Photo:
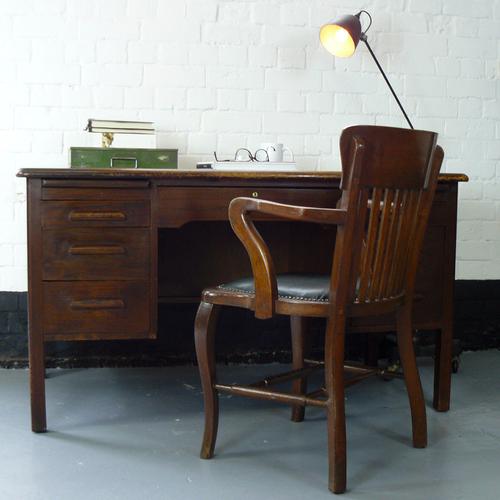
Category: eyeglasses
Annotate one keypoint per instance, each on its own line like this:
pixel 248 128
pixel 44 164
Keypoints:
pixel 244 154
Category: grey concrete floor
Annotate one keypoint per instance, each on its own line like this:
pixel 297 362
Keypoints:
pixel 135 434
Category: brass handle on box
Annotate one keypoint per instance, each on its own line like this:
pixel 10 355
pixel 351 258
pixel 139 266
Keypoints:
pixel 127 158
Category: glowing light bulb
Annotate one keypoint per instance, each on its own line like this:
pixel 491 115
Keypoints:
pixel 337 40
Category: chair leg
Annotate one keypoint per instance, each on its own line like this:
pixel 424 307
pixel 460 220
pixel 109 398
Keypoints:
pixel 334 381
pixel 204 335
pixel 300 345
pixel 412 378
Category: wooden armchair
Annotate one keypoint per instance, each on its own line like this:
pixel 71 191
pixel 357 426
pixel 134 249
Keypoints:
pixel 388 183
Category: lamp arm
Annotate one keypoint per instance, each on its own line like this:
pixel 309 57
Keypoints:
pixel 363 37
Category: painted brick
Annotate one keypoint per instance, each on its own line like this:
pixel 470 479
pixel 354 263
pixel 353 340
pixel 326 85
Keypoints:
pixel 350 83
pixel 202 143
pixel 468 230
pixel 468 8
pixel 41 72
pixel 233 55
pixel 290 122
pixel 230 34
pixel 291 58
pixel 172 54
pixel 234 12
pixel 142 52
pixel 295 13
pixel 111 51
pixel 439 107
pixel 491 230
pixel 139 97
pixel 174 76
pixel 178 31
pixel 224 74
pixel 321 102
pixel 231 121
pixel 109 97
pixel 262 100
pixel 202 55
pixel 235 78
pixel 47 142
pixel 348 103
pixel 289 36
pixel 426 6
pixel 263 56
pixel 229 143
pixel 291 101
pixel 231 99
pixel 477 210
pixel 166 98
pixel 293 79
pixel 201 98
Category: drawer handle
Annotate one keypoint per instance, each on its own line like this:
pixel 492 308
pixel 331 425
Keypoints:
pixel 96 250
pixel 75 215
pixel 97 304
pixel 255 194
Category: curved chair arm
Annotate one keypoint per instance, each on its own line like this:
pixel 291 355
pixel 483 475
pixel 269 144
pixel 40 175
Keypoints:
pixel 266 289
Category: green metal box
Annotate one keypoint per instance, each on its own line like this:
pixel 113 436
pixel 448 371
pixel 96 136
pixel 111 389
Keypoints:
pixel 122 158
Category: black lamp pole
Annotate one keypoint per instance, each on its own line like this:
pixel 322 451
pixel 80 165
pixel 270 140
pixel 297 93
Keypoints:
pixel 365 39
pixel 341 37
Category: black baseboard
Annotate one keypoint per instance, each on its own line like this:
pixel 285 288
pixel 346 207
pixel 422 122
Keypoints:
pixel 241 338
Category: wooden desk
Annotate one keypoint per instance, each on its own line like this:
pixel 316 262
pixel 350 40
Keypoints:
pixel 104 246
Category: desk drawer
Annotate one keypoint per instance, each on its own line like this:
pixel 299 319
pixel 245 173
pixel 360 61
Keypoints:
pixel 95 254
pixel 180 205
pixel 93 190
pixel 95 213
pixel 95 310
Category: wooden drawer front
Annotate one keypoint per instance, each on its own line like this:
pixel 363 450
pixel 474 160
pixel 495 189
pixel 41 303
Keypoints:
pixel 180 205
pixel 95 310
pixel 93 190
pixel 92 213
pixel 95 254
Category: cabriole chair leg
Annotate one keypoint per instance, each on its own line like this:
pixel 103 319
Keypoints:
pixel 412 378
pixel 204 334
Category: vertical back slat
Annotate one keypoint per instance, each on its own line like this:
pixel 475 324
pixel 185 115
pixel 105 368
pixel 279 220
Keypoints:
pixel 383 244
pixel 412 229
pixel 391 285
pixel 370 246
pixel 401 255
pixel 389 255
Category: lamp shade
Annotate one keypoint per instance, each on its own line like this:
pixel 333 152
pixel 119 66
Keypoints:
pixel 341 36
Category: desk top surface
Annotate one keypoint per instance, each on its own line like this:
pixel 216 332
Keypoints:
pixel 115 173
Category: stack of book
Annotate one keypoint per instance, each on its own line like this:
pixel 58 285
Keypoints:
pixel 119 127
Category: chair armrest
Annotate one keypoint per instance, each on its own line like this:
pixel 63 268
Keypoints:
pixel 291 212
pixel 266 289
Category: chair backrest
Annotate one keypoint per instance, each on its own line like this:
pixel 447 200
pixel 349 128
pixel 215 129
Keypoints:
pixel 389 176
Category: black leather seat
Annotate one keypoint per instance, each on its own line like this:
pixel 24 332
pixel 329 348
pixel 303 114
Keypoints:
pixel 308 287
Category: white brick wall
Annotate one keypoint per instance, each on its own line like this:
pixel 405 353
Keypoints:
pixel 219 74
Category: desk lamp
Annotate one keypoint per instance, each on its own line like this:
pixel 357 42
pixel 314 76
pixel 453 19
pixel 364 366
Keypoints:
pixel 341 37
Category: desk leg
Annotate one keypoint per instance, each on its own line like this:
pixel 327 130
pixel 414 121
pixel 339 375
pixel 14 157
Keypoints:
pixel 442 368
pixel 35 307
pixel 444 342
pixel 37 382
